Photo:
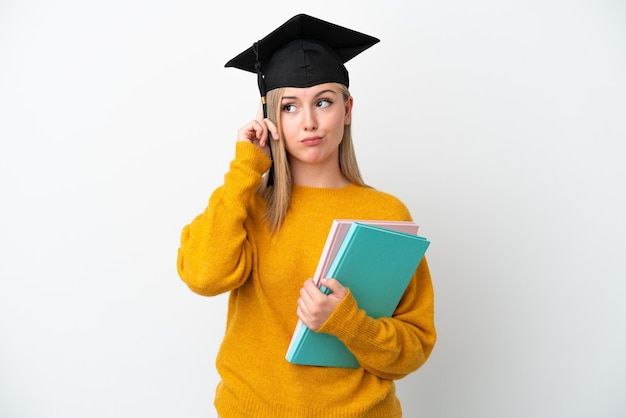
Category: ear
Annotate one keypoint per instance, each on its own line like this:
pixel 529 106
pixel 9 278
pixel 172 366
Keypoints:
pixel 348 117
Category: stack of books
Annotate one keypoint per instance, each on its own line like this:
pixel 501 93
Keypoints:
pixel 376 260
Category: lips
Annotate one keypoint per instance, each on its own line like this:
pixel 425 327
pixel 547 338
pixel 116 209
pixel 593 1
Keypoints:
pixel 314 140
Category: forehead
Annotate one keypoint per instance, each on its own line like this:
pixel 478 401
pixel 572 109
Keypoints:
pixel 313 91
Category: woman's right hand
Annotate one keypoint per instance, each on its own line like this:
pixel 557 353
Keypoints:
pixel 257 132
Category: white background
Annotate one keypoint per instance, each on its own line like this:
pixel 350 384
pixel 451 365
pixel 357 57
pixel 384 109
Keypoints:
pixel 500 124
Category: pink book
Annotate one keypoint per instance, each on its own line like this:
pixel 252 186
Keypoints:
pixel 338 231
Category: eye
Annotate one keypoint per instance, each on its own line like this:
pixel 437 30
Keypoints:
pixel 289 108
pixel 324 103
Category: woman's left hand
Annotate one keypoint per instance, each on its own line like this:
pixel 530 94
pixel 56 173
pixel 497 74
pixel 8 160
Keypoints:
pixel 314 306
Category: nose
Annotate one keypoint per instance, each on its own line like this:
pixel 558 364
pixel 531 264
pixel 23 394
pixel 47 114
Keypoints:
pixel 309 119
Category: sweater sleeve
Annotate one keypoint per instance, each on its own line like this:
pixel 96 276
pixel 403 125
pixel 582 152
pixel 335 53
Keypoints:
pixel 390 348
pixel 215 255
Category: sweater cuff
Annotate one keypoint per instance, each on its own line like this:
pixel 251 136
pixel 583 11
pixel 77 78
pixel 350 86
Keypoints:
pixel 252 156
pixel 347 321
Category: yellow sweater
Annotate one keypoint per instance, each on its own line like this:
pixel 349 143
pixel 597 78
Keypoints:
pixel 229 248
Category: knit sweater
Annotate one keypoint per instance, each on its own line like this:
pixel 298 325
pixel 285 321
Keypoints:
pixel 229 248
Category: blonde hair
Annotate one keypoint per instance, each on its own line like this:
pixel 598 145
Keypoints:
pixel 278 196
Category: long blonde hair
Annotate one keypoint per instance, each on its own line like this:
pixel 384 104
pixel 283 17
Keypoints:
pixel 278 196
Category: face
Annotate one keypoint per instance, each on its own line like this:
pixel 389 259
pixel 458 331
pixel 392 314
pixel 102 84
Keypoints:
pixel 312 123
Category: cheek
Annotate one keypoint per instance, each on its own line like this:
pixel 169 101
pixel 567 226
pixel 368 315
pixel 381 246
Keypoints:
pixel 288 127
pixel 339 123
pixel 288 137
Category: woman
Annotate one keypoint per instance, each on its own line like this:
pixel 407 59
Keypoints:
pixel 262 233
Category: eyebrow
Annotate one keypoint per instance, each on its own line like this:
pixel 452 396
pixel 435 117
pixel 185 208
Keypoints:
pixel 320 93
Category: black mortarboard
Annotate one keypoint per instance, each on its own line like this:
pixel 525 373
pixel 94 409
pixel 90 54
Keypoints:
pixel 302 52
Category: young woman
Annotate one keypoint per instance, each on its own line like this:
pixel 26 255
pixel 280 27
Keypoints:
pixel 261 236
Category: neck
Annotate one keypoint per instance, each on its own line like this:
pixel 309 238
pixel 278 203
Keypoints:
pixel 316 175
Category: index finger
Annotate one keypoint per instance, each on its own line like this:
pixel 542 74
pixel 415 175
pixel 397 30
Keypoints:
pixel 259 113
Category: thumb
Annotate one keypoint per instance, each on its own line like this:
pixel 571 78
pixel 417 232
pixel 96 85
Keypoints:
pixel 335 287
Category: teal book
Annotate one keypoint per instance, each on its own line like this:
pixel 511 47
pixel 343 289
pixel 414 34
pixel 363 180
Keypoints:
pixel 377 265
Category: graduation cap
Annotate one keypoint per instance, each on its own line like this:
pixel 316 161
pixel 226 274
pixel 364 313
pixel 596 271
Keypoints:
pixel 302 52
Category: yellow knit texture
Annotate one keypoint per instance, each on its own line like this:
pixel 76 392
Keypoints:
pixel 228 248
